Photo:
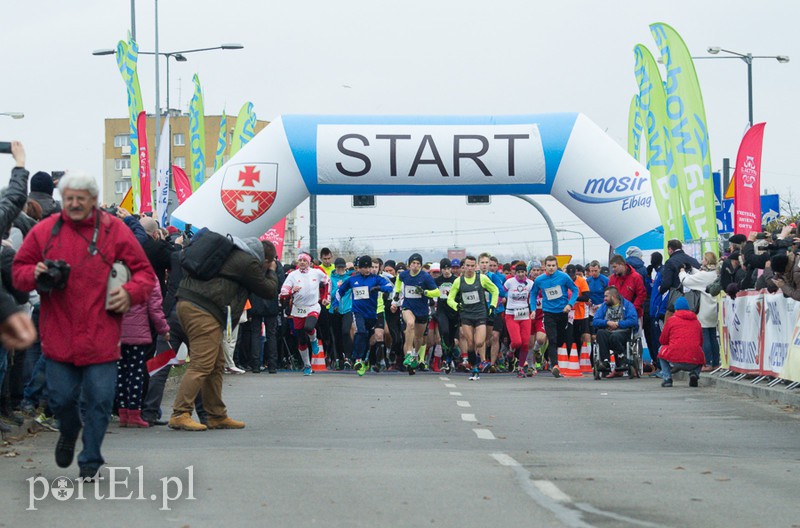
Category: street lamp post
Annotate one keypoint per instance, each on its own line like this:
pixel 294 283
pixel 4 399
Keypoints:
pixel 748 59
pixel 583 240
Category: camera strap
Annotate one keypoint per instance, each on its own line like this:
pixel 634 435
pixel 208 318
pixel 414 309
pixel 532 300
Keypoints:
pixel 92 244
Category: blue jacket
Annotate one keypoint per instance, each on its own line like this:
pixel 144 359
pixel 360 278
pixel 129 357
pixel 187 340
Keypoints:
pixel 597 288
pixel 630 317
pixel 499 280
pixel 554 290
pixel 365 301
pixel 658 300
pixel 345 304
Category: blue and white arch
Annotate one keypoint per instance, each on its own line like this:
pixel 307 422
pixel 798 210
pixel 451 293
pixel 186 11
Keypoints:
pixel 564 155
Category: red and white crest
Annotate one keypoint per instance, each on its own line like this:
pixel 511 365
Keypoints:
pixel 249 190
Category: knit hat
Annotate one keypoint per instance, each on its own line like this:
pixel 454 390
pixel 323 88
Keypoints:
pixel 365 262
pixel 534 264
pixel 390 264
pixel 634 251
pixel 172 230
pixel 681 304
pixel 415 256
pixel 42 182
pixel 445 263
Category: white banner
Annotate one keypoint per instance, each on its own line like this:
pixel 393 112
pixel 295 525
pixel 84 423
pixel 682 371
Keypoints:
pixel 745 332
pixel 429 154
pixel 162 175
pixel 778 326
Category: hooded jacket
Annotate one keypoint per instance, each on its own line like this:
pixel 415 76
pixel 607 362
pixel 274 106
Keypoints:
pixel 631 287
pixel 136 323
pixel 74 324
pixel 682 339
pixel 242 272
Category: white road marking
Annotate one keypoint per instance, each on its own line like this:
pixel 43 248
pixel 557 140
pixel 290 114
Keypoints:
pixel 455 394
pixel 450 385
pixel 504 459
pixel 469 418
pixel 551 490
pixel 444 378
pixel 462 403
pixel 484 434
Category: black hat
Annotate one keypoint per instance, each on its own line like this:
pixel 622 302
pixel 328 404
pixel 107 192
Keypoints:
pixel 737 239
pixel 778 263
pixel 521 267
pixel 42 182
pixel 444 263
pixel 389 264
pixel 339 262
pixel 365 261
pixel 415 256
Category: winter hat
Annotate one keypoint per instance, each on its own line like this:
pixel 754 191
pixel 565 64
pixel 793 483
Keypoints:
pixel 456 263
pixel 390 264
pixel 172 230
pixel 365 261
pixel 415 256
pixel 634 251
pixel 681 304
pixel 534 264
pixel 42 182
pixel 444 263
pixel 737 239
pixel 778 263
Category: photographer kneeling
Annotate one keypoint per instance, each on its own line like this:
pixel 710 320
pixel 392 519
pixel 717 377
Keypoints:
pixel 68 258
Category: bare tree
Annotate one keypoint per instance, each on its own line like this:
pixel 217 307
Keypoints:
pixel 788 204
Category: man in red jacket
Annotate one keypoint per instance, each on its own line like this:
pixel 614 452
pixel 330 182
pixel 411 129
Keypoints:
pixel 681 345
pixel 629 283
pixel 67 257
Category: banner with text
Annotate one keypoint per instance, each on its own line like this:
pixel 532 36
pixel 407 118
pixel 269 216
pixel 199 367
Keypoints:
pixel 747 182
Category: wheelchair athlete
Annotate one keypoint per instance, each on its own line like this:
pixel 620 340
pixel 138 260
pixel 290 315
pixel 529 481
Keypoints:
pixel 615 320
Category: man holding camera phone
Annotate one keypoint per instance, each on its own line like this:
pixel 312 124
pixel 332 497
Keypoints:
pixel 68 258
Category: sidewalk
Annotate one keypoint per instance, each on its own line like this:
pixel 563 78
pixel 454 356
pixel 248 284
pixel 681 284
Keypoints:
pixel 745 387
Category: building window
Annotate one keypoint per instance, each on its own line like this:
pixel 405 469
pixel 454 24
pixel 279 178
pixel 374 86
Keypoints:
pixel 122 141
pixel 121 187
pixel 178 140
pixel 180 161
pixel 122 163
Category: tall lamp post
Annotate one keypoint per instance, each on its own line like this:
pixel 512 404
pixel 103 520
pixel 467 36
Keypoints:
pixel 583 240
pixel 748 59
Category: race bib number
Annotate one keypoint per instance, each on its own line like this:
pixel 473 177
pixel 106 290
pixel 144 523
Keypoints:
pixel 360 293
pixel 553 293
pixel 522 314
pixel 410 292
pixel 471 297
pixel 301 311
pixel 444 291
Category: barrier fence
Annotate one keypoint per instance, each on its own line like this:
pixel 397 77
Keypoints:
pixel 760 336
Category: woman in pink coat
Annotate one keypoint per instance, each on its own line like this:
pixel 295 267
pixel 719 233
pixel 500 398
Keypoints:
pixel 136 340
pixel 681 345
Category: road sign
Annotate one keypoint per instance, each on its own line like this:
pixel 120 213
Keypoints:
pixel 770 210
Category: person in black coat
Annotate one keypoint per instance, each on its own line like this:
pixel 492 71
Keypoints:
pixel 678 260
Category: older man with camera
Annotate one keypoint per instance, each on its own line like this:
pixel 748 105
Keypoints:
pixel 68 258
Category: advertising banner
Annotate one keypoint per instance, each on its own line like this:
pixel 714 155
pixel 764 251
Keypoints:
pixel 197 136
pixel 222 142
pixel 276 234
pixel 144 166
pixel 635 128
pixel 127 55
pixel 688 135
pixel 245 128
pixel 162 175
pixel 747 182
pixel 778 327
pixel 745 333
pixel 660 161
pixel 183 187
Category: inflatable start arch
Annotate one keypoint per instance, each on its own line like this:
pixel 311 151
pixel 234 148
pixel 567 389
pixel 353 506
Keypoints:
pixel 564 155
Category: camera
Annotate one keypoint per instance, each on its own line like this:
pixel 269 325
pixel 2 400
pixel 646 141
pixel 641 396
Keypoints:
pixel 111 209
pixel 761 236
pixel 55 278
pixel 187 232
pixel 5 147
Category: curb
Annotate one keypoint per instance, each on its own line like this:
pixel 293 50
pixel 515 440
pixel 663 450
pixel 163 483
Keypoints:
pixel 745 387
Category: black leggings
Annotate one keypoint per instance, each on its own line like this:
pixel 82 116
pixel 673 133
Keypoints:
pixel 555 326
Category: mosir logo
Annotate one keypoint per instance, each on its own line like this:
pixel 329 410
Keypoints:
pixel 749 172
pixel 249 190
pixel 626 189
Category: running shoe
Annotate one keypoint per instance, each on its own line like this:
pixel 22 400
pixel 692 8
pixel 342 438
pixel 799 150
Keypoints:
pixel 520 373
pixel 362 369
pixel 357 364
pixel 307 371
pixel 315 347
pixel 492 369
pixel 484 366
pixel 476 375
pixel 413 362
pixel 347 365
pixel 555 371
pixel 47 422
pixel 408 359
pixel 447 368
pixel 422 367
pixel 377 367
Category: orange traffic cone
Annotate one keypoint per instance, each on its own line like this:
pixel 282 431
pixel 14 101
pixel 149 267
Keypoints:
pixel 318 359
pixel 585 361
pixel 563 357
pixel 573 369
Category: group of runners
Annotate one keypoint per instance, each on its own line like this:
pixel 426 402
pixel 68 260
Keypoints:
pixel 472 315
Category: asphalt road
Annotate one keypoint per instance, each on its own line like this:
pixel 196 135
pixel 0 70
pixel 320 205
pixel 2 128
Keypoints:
pixel 433 450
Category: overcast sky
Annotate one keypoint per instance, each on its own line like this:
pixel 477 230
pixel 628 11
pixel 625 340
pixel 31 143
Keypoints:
pixel 414 57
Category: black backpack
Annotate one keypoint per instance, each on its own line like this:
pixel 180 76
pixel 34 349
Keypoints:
pixel 206 253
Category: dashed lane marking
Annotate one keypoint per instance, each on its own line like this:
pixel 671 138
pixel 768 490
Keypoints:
pixel 462 403
pixel 484 434
pixel 469 418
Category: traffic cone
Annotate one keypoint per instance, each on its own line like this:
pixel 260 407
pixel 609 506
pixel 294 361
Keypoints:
pixel 585 361
pixel 573 369
pixel 318 359
pixel 563 357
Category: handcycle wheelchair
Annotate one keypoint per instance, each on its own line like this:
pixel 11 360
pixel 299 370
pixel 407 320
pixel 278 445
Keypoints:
pixel 629 359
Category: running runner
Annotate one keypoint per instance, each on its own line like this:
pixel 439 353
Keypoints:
pixel 469 297
pixel 417 287
pixel 556 304
pixel 365 286
pixel 305 287
pixel 488 266
pixel 447 318
pixel 518 315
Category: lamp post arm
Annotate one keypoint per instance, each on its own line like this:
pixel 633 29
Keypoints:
pixel 547 219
